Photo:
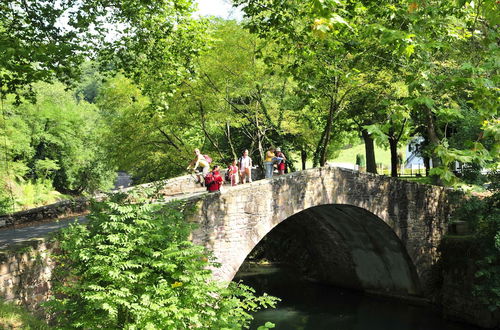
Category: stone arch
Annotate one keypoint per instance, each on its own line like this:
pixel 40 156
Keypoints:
pixel 343 245
pixel 231 223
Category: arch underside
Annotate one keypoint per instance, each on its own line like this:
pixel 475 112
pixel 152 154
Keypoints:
pixel 342 245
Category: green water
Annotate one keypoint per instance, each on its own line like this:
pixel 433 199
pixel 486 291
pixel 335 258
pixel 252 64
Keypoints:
pixel 312 306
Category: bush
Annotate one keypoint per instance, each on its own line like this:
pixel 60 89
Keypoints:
pixel 133 267
pixel 487 286
pixel 360 160
pixel 471 212
pixel 483 215
pixel 471 174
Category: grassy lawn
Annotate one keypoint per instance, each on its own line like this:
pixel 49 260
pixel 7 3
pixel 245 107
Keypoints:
pixel 15 317
pixel 349 155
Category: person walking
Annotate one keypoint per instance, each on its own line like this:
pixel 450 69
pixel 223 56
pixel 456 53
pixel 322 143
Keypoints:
pixel 200 165
pixel 213 180
pixel 281 163
pixel 269 163
pixel 245 166
pixel 233 173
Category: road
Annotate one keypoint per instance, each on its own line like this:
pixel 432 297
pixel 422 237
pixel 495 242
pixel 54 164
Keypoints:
pixel 18 235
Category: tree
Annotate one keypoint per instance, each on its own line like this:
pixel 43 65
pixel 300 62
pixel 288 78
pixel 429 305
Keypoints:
pixel 45 40
pixel 55 141
pixel 442 87
pixel 235 102
pixel 331 56
pixel 34 46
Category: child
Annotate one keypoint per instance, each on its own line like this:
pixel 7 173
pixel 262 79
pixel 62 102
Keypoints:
pixel 232 171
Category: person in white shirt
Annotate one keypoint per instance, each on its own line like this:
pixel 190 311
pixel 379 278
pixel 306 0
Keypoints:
pixel 245 166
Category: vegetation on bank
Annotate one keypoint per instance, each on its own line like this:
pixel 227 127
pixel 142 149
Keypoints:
pixel 132 267
pixel 15 317
pixel 482 245
pixel 50 149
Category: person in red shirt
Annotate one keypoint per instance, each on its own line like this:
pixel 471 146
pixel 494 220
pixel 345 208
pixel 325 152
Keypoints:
pixel 213 180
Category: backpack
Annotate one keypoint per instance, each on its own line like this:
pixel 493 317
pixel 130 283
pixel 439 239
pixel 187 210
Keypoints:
pixel 227 176
pixel 209 179
pixel 207 158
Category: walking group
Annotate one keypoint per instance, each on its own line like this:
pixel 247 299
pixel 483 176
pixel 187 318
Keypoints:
pixel 239 170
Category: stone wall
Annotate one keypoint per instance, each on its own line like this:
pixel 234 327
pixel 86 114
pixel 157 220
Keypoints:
pixel 25 273
pixel 54 211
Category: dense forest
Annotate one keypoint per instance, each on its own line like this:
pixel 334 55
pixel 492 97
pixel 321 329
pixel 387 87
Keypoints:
pixel 149 83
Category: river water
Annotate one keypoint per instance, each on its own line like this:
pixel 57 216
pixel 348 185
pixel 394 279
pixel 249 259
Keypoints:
pixel 310 306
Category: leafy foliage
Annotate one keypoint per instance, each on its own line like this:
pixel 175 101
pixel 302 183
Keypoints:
pixel 51 144
pixel 47 40
pixel 132 267
pixel 483 215
pixel 488 236
pixel 344 47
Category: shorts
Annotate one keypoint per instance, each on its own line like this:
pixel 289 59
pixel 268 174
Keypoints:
pixel 202 170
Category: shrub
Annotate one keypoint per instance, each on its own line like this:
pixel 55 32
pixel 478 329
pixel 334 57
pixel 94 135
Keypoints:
pixel 132 267
pixel 483 215
pixel 360 160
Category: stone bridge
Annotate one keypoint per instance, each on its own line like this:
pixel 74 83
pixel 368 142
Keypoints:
pixel 339 226
pixel 343 227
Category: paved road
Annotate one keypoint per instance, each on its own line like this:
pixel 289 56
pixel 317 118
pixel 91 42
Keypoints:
pixel 18 235
pixel 123 180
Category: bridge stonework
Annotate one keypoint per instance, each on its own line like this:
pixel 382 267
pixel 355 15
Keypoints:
pixel 233 222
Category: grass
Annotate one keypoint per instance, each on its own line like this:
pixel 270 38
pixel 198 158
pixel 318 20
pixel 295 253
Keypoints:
pixel 15 317
pixel 382 156
pixel 349 155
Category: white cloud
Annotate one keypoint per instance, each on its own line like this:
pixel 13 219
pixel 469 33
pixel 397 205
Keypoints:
pixel 218 8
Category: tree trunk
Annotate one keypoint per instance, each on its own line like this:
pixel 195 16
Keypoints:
pixel 328 131
pixel 371 165
pixel 433 141
pixel 228 134
pixel 303 157
pixel 393 146
pixel 427 164
pixel 317 152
